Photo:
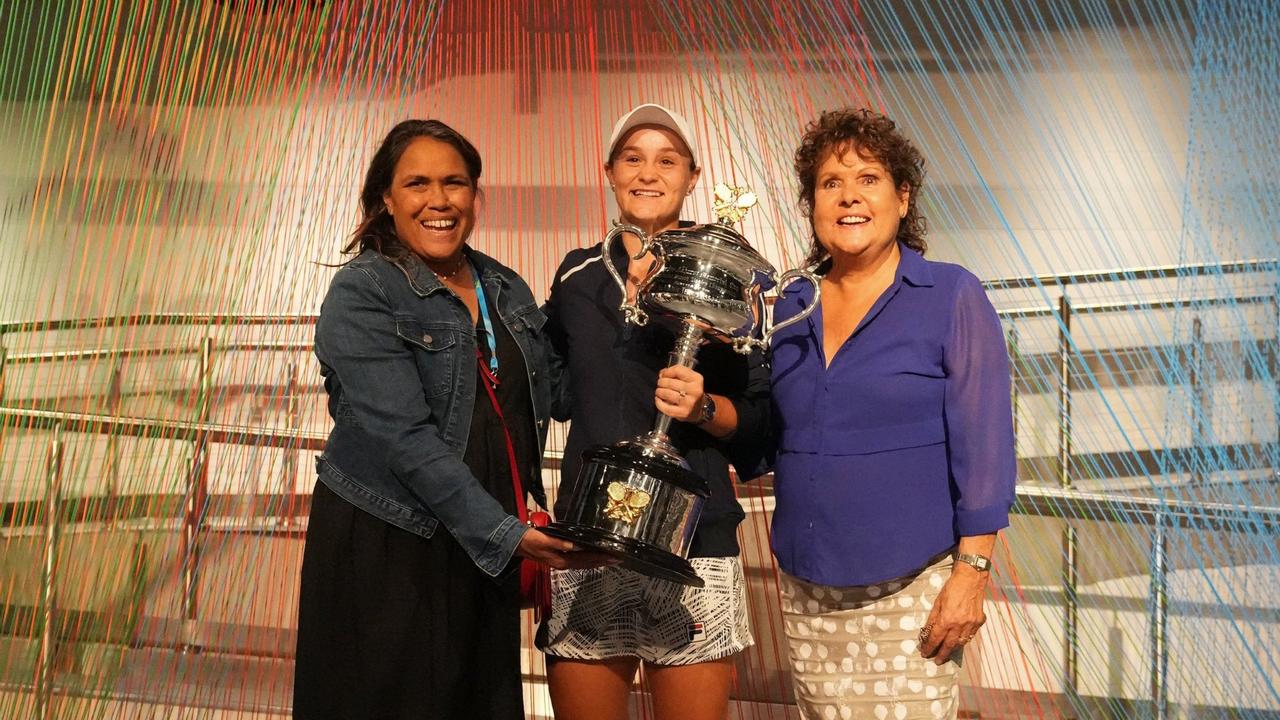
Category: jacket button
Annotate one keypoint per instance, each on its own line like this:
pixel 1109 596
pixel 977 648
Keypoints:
pixel 517 326
pixel 426 338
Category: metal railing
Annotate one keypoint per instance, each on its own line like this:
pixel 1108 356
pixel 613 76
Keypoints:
pixel 1158 513
pixel 199 434
pixel 1062 502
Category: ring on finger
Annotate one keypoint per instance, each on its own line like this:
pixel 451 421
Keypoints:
pixel 924 632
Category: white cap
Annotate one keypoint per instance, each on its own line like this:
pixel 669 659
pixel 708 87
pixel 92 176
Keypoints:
pixel 651 114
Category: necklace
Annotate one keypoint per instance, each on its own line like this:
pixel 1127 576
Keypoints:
pixel 462 260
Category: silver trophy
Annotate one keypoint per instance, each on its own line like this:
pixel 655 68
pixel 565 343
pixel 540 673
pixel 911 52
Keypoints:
pixel 637 499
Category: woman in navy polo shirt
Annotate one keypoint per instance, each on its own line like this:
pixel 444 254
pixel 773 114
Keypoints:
pixel 895 465
pixel 606 623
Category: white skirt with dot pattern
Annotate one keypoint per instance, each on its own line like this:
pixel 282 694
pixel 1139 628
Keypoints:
pixel 854 649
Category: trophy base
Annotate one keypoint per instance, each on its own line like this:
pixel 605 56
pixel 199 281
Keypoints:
pixel 635 555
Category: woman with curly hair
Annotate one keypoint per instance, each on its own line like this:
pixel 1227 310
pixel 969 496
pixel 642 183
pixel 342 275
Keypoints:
pixel 895 465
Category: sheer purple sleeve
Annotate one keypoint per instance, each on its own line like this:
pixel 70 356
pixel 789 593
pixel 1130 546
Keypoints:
pixel 978 413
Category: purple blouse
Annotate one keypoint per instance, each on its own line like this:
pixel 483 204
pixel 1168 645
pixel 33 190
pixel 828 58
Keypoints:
pixel 905 443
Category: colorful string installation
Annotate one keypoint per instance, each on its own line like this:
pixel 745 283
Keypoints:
pixel 178 174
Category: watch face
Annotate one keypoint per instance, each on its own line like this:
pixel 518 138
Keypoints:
pixel 707 411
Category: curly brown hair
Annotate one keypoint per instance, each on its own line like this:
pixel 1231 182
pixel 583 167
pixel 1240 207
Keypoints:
pixel 873 136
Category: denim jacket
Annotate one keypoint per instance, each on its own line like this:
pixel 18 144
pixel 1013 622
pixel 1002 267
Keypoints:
pixel 397 350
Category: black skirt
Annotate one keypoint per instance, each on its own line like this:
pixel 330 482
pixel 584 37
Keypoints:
pixel 393 625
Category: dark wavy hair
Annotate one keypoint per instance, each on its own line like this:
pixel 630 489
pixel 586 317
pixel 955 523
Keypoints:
pixel 377 229
pixel 873 136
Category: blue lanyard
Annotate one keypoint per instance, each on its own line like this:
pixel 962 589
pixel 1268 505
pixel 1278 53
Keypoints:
pixel 488 323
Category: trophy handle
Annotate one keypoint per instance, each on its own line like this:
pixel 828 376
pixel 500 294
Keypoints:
pixel 631 311
pixel 745 345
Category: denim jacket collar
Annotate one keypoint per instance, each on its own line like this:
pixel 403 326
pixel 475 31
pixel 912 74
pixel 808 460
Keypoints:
pixel 424 281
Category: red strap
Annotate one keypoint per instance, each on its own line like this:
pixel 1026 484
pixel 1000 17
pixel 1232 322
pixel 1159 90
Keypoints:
pixel 490 382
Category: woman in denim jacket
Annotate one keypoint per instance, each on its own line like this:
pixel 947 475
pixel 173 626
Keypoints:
pixel 407 605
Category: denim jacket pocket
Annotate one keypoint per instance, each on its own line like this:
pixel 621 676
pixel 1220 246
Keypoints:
pixel 526 325
pixel 533 318
pixel 434 347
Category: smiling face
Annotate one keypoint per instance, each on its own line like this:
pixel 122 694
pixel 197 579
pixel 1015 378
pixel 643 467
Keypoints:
pixel 651 173
pixel 432 200
pixel 856 207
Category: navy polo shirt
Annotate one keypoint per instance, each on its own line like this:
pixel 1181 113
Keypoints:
pixel 612 369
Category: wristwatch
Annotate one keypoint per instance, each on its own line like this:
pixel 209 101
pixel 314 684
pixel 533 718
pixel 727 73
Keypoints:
pixel 708 410
pixel 980 562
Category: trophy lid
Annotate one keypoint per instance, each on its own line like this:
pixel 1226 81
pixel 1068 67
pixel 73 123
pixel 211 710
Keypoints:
pixel 722 239
pixel 730 206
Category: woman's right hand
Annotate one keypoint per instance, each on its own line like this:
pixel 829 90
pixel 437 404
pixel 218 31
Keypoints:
pixel 559 554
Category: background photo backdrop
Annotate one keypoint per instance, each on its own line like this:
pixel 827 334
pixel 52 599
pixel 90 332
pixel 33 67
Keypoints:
pixel 176 176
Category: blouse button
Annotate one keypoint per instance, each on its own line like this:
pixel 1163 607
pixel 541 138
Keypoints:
pixel 426 338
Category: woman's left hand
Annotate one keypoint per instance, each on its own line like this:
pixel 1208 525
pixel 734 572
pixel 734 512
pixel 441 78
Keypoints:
pixel 957 614
pixel 679 393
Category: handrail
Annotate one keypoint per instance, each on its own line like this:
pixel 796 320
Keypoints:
pixel 149 351
pixel 305 346
pixel 1154 272
pixel 1034 500
pixel 166 429
pixel 223 433
pixel 1018 282
pixel 1102 307
pixel 1069 504
pixel 9 326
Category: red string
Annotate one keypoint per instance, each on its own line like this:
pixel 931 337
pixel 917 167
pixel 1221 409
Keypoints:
pixel 491 382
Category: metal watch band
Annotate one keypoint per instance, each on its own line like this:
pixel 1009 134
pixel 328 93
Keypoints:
pixel 981 562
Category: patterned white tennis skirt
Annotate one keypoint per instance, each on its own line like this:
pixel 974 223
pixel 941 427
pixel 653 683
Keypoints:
pixel 611 612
